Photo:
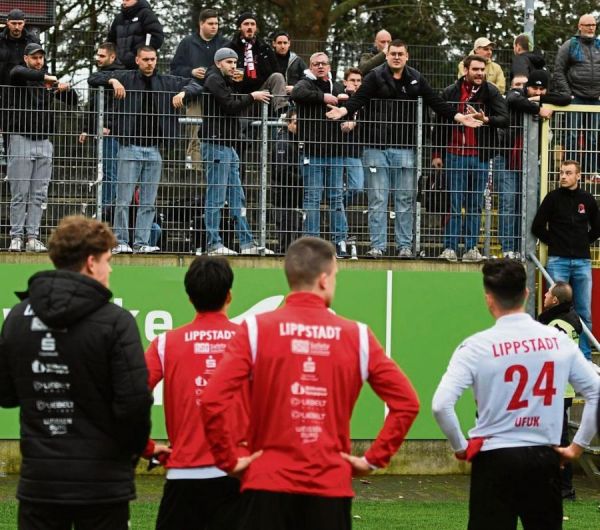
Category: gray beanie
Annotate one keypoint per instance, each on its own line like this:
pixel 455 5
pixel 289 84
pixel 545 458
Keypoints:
pixel 225 53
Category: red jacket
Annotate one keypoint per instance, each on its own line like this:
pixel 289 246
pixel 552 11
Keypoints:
pixel 307 366
pixel 186 358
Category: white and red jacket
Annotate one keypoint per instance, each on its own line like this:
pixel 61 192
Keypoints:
pixel 307 366
pixel 186 359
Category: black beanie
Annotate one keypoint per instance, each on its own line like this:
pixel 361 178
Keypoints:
pixel 245 16
pixel 539 78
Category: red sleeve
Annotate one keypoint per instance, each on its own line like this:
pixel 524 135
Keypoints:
pixel 395 389
pixel 218 398
pixel 155 371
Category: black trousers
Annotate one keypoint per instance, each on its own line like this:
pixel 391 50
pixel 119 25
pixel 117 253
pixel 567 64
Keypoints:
pixel 266 510
pixel 199 504
pixel 43 516
pixel 517 482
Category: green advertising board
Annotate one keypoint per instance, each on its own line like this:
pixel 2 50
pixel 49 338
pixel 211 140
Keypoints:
pixel 419 317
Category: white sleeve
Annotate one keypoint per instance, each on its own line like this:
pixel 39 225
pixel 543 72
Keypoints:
pixel 458 377
pixel 585 380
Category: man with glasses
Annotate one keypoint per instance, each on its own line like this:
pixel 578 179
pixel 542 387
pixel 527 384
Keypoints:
pixel 575 74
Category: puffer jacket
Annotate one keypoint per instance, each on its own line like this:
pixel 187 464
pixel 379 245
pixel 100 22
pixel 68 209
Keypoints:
pixel 74 364
pixel 577 68
pixel 135 26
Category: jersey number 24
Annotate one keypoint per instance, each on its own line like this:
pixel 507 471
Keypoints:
pixel 543 387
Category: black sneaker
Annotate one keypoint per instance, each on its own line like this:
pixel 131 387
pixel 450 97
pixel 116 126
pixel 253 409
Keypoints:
pixel 341 251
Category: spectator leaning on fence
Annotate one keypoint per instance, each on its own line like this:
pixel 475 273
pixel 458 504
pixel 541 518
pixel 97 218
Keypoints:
pixel 289 64
pixel 568 222
pixel 467 155
pixel 575 74
pixel 146 118
pixel 377 54
pixel 484 47
pixel 258 61
pixel 106 61
pixel 323 163
pixel 389 94
pixel 525 59
pixel 220 145
pixel 527 100
pixel 31 122
pixel 136 25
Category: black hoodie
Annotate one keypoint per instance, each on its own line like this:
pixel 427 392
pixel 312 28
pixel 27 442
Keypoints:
pixel 74 364
pixel 527 62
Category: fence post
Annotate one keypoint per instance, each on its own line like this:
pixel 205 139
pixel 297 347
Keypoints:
pixel 100 151
pixel 264 161
pixel 419 175
pixel 530 187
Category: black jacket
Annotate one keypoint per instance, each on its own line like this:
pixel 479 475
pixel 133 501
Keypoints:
pixel 390 106
pixel 321 136
pixel 132 27
pixel 91 127
pixel 150 99
pixel 194 52
pixel 220 123
pixel 32 112
pixel 291 66
pixel 265 63
pixel 558 315
pixel 12 52
pixel 568 222
pixel 488 137
pixel 527 62
pixel 74 364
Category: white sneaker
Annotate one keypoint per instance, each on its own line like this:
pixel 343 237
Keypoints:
pixel 472 256
pixel 35 245
pixel 255 250
pixel 222 251
pixel 374 253
pixel 449 255
pixel 145 249
pixel 512 255
pixel 406 253
pixel 122 248
pixel 16 245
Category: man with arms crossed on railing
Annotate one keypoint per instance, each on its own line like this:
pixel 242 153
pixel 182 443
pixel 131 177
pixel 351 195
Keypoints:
pixel 145 118
pixel 568 222
pixel 518 370
pixel 306 366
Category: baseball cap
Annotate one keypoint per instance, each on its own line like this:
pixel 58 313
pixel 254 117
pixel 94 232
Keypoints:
pixel 225 53
pixel 15 14
pixel 34 47
pixel 482 42
pixel 538 78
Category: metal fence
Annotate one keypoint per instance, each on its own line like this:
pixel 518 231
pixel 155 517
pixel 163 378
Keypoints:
pixel 257 180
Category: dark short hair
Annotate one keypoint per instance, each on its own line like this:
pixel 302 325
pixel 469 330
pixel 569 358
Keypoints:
pixel 523 41
pixel 351 71
pixel 306 259
pixel 280 33
pixel 207 282
pixel 562 291
pixel 145 48
pixel 207 13
pixel 398 43
pixel 472 58
pixel 76 238
pixel 109 47
pixel 505 280
pixel 571 163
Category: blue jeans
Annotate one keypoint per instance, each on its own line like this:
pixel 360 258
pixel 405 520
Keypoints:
pixel 143 165
pixel 319 174
pixel 507 185
pixel 390 169
pixel 578 272
pixel 586 124
pixel 110 165
pixel 355 178
pixel 466 176
pixel 222 166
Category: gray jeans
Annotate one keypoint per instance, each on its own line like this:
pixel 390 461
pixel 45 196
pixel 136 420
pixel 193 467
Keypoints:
pixel 29 172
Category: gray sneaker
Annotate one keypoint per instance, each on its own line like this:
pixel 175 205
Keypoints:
pixel 472 256
pixel 35 245
pixel 406 253
pixel 16 245
pixel 374 253
pixel 145 249
pixel 449 255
